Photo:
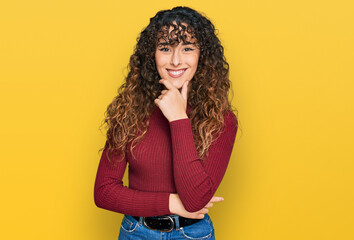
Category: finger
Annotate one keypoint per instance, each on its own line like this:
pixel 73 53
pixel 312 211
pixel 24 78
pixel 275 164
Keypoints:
pixel 160 97
pixel 164 91
pixel 167 84
pixel 216 199
pixel 210 204
pixel 205 210
pixel 201 216
pixel 184 90
pixel 157 102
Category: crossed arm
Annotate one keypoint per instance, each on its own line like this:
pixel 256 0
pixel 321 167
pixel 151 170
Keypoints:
pixel 196 182
pixel 111 194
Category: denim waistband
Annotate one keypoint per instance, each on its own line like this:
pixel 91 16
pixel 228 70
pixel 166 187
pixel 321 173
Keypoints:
pixel 174 216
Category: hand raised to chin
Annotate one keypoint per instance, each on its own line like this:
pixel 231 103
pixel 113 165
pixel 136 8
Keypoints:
pixel 172 102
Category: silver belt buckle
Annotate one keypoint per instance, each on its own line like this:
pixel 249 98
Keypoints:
pixel 169 230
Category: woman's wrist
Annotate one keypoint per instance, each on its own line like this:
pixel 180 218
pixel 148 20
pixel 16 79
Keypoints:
pixel 172 202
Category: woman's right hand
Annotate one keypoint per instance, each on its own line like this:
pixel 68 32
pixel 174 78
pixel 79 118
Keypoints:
pixel 176 207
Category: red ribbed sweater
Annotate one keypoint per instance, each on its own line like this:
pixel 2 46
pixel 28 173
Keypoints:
pixel 166 162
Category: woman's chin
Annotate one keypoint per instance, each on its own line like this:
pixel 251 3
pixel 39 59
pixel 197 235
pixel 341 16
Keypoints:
pixel 177 83
pixel 178 86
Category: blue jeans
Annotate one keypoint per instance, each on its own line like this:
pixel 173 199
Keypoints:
pixel 133 229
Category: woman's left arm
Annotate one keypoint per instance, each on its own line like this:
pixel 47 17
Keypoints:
pixel 196 182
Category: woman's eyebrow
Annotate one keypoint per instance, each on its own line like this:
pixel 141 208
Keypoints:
pixel 183 43
pixel 188 43
pixel 163 44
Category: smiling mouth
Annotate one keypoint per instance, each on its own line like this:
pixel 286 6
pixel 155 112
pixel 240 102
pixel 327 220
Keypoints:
pixel 176 73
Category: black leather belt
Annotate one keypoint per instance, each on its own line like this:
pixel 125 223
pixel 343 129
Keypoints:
pixel 165 223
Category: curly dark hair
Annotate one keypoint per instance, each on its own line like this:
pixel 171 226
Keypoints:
pixel 128 119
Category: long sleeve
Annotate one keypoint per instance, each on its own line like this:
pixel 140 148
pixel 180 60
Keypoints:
pixel 197 182
pixel 110 194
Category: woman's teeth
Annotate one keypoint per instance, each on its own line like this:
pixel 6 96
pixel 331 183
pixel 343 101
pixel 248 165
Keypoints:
pixel 176 73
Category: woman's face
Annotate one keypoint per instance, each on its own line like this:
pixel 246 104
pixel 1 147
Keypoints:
pixel 177 63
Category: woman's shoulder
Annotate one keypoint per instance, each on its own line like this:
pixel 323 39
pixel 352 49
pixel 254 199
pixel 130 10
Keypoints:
pixel 230 118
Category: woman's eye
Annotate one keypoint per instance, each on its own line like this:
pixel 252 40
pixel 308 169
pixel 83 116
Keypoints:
pixel 164 49
pixel 188 49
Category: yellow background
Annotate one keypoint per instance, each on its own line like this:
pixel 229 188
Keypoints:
pixel 291 64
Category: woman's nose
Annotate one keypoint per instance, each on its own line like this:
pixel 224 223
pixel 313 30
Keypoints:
pixel 176 58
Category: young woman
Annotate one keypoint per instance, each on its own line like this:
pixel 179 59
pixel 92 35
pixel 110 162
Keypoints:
pixel 173 123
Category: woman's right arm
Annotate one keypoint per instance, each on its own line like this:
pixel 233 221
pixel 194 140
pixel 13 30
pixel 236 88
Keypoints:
pixel 176 207
pixel 110 194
